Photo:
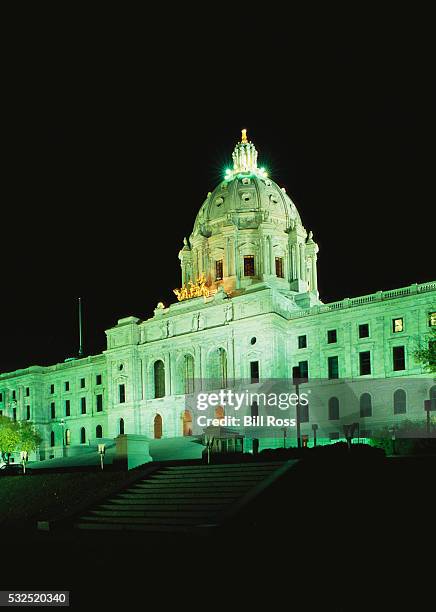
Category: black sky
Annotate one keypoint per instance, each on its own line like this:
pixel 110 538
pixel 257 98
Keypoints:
pixel 119 125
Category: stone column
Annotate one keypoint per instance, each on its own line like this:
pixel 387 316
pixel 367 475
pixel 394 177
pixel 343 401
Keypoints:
pixel 271 257
pixel 302 262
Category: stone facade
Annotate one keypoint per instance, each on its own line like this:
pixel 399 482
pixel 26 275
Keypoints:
pixel 260 267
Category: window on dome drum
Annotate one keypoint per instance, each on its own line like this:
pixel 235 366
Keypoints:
pixel 400 402
pixel 333 409
pixel 432 319
pixel 399 358
pixel 365 405
pixel 83 405
pixel 28 413
pixel 159 379
pixel 82 383
pixel 67 385
pixel 364 330
pixel 98 431
pixel 27 391
pixel 332 336
pixel 304 413
pixel 249 265
pixel 67 408
pixel 82 435
pixel 219 269
pixel 302 342
pixel 254 372
pixel 279 267
pixel 304 369
pixel 333 367
pixel 397 325
pixel 53 410
pixel 98 379
pixel 99 400
pixel 51 389
pixel 122 393
pixel 365 363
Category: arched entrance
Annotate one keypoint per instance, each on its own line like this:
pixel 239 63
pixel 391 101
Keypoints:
pixel 187 423
pixel 158 427
pixel 219 412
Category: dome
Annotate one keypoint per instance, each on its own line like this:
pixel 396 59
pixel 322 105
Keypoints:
pixel 249 232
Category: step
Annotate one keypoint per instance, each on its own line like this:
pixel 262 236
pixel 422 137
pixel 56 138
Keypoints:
pixel 129 527
pixel 209 477
pixel 224 466
pixel 210 480
pixel 213 473
pixel 176 507
pixel 140 520
pixel 180 496
pixel 203 486
pixel 160 514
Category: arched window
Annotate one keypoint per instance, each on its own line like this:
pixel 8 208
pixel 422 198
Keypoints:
pixel 187 423
pixel 158 427
pixel 189 374
pixel 365 405
pixel 67 437
pixel 52 438
pixel 159 379
pixel 98 432
pixel 121 427
pixel 333 409
pixel 82 435
pixel 400 402
pixel 254 409
pixel 219 412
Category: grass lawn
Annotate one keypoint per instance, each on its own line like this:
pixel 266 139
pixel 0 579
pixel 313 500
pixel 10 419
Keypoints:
pixel 55 495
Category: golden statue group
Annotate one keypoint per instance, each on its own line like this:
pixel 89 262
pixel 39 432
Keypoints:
pixel 193 290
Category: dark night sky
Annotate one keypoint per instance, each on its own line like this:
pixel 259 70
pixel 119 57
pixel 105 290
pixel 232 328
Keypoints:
pixel 121 124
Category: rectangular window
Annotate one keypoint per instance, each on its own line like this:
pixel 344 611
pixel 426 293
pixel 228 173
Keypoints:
pixel 27 391
pixel 302 342
pixel 98 379
pixel 28 413
pixel 1 412
pixel 304 370
pixel 365 362
pixel 1 397
pixel 67 408
pixel 122 393
pixel 249 265
pixel 332 336
pixel 67 385
pixel 397 325
pixel 14 414
pixel 52 389
pixel 14 395
pixel 254 372
pixel 333 367
pixel 364 330
pixel 432 319
pixel 279 267
pixel 53 410
pixel 99 402
pixel 82 383
pixel 219 269
pixel 304 413
pixel 399 358
pixel 83 405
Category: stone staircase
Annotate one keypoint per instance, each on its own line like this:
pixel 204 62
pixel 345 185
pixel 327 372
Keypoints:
pixel 182 498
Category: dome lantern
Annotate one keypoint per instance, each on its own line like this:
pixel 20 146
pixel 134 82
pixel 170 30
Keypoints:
pixel 244 159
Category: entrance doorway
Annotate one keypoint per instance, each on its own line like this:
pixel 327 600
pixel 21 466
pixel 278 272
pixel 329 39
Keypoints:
pixel 158 427
pixel 187 423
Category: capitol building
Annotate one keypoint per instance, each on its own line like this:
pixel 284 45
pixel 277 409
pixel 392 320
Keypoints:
pixel 247 312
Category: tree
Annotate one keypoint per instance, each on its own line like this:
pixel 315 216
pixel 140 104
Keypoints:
pixel 9 437
pixel 29 440
pixel 427 355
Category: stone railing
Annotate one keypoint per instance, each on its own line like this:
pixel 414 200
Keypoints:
pixel 366 299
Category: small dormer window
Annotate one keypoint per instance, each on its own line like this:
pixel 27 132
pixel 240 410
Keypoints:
pixel 246 181
pixel 219 201
pixel 246 197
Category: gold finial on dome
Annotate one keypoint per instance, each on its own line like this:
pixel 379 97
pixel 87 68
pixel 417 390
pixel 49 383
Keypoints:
pixel 244 139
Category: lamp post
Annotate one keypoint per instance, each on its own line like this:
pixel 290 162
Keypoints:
pixel 102 451
pixel 297 380
pixel 393 437
pixel 62 424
